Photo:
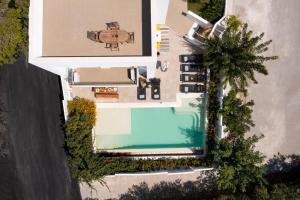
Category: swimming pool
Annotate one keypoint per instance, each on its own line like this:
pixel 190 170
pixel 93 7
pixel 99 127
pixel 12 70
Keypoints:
pixel 159 128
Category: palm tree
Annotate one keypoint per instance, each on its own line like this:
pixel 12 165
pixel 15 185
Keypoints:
pixel 237 56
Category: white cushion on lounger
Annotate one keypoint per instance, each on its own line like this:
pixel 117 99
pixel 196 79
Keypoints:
pixel 156 96
pixel 186 68
pixel 186 78
pixel 142 96
pixel 186 89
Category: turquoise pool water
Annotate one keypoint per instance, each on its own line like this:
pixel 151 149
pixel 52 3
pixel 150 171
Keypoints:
pixel 158 128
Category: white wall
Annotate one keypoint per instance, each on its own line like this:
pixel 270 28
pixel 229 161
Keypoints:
pixel 161 11
pixel 59 64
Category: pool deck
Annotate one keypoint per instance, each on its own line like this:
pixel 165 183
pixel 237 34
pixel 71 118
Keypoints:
pixel 170 79
pixel 170 82
pixel 117 121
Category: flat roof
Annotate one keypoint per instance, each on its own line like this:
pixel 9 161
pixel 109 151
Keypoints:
pixel 66 22
pixel 93 75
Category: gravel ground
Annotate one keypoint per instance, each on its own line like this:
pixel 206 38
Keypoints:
pixel 277 96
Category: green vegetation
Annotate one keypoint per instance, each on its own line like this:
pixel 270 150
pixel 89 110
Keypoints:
pixel 13 29
pixel 11 36
pixel 211 10
pixel 86 165
pixel 233 60
pixel 196 5
pixel 233 23
pixel 78 139
pixel 236 114
pixel 113 165
pixel 237 56
pixel 239 165
pixel 213 109
pixel 83 106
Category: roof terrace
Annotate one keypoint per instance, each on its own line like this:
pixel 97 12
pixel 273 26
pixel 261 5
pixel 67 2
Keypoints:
pixel 66 24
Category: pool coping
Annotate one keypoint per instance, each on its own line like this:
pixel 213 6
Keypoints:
pixel 152 151
pixel 158 152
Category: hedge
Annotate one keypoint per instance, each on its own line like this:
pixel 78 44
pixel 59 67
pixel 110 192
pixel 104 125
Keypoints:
pixel 211 10
pixel 213 109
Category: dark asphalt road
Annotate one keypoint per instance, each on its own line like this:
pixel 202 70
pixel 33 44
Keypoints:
pixel 35 167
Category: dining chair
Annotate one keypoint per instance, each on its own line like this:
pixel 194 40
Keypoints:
pixel 93 35
pixel 131 37
pixel 112 26
pixel 114 47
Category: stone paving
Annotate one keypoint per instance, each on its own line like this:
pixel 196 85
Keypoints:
pixel 277 105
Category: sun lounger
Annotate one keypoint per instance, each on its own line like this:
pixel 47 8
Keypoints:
pixel 155 92
pixel 196 58
pixel 192 88
pixel 155 88
pixel 141 93
pixel 192 78
pixel 191 67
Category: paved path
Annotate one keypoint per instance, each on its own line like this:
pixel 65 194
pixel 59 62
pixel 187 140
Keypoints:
pixel 119 185
pixel 277 96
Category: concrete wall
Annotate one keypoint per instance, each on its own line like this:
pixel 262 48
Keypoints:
pixel 165 172
pixel 161 11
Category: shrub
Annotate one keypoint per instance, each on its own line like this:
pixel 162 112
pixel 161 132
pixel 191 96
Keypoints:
pixel 213 10
pixel 11 34
pixel 83 106
pixel 239 164
pixel 115 165
pixel 233 23
pixel 213 109
pixel 78 142
pixel 237 115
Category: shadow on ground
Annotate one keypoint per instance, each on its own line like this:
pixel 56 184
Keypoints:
pixel 202 188
pixel 284 169
pixel 33 164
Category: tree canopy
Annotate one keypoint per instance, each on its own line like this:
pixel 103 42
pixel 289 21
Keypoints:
pixel 239 164
pixel 213 10
pixel 11 34
pixel 236 114
pixel 13 29
pixel 237 56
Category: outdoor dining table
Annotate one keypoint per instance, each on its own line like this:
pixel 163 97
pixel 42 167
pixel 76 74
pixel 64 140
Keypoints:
pixel 113 36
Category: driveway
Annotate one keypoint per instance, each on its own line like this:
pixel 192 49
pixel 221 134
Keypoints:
pixel 277 96
pixel 33 164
